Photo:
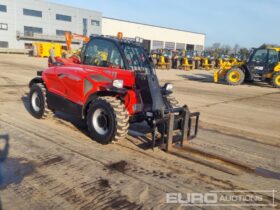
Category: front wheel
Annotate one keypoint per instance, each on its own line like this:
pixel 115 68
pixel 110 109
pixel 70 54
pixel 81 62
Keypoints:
pixel 235 76
pixel 276 80
pixel 38 101
pixel 107 120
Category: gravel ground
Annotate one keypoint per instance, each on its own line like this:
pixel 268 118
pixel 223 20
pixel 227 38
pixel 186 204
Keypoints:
pixel 53 164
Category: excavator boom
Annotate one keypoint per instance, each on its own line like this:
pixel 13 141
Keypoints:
pixel 69 37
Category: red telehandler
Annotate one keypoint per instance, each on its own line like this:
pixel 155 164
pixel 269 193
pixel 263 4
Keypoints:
pixel 112 86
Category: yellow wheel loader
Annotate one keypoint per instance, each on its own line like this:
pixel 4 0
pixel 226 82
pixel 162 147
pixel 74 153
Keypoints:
pixel 207 60
pixel 262 65
pixel 185 64
pixel 163 63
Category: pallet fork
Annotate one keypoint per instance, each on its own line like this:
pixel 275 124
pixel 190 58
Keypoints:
pixel 177 119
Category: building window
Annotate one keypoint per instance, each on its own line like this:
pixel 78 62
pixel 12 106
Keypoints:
pixel 3 26
pixel 180 46
pixel 64 17
pixel 169 45
pixel 30 31
pixel 28 46
pixel 4 44
pixel 190 47
pixel 158 45
pixel 61 32
pixel 85 26
pixel 30 12
pixel 95 22
pixel 3 8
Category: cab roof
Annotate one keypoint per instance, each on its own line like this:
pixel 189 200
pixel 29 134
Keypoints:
pixel 115 39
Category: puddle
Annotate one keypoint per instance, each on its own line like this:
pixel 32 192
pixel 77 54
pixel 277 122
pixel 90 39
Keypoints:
pixel 13 170
pixel 267 173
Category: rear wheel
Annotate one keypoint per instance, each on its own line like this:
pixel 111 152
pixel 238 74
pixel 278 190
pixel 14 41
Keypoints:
pixel 107 120
pixel 38 101
pixel 276 80
pixel 235 76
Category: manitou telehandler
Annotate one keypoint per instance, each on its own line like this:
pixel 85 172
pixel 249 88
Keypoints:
pixel 113 86
pixel 263 65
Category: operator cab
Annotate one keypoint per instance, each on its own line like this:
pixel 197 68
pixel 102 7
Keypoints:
pixel 115 54
pixel 262 61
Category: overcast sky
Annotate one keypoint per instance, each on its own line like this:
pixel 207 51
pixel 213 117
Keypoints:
pixel 249 23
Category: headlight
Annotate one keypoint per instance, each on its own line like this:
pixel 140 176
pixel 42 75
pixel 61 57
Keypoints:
pixel 118 83
pixel 169 87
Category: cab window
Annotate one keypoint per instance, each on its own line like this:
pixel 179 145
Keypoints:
pixel 103 53
pixel 260 56
pixel 272 57
pixel 136 58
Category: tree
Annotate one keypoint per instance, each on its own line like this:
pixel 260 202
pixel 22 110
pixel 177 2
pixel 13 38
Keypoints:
pixel 225 49
pixel 216 46
pixel 244 53
pixel 236 48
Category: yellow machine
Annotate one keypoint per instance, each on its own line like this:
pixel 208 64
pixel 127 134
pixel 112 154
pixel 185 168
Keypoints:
pixel 263 64
pixel 185 64
pixel 162 64
pixel 42 49
pixel 202 60
pixel 220 62
pixel 206 64
pixel 196 60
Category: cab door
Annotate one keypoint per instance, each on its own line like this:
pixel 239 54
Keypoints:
pixel 273 59
pixel 71 80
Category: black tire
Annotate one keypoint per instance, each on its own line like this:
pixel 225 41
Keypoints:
pixel 235 76
pixel 107 120
pixel 38 101
pixel 276 80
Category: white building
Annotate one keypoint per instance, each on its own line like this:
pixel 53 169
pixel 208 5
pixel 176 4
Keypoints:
pixel 155 37
pixel 25 21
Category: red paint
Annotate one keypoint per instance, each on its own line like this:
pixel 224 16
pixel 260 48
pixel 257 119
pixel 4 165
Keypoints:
pixel 68 81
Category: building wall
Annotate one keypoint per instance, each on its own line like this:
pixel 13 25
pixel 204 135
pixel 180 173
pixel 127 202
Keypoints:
pixel 16 20
pixel 154 33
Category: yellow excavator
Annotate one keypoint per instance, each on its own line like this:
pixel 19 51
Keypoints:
pixel 263 64
pixel 69 37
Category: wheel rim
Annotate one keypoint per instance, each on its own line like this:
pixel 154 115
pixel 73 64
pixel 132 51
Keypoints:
pixel 100 121
pixel 36 102
pixel 277 80
pixel 234 76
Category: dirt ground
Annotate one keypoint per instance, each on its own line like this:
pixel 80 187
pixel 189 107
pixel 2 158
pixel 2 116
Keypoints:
pixel 53 164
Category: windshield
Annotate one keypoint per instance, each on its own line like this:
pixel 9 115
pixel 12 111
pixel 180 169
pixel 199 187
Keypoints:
pixel 137 58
